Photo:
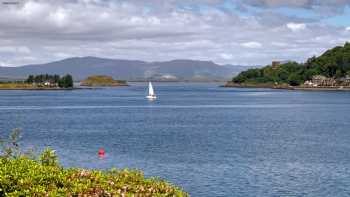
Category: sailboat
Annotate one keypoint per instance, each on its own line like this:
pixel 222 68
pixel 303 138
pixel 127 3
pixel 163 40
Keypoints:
pixel 151 95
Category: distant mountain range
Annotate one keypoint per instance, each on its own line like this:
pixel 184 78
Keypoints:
pixel 131 70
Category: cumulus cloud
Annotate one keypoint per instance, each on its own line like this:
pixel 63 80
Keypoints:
pixel 226 56
pixel 296 26
pixel 37 31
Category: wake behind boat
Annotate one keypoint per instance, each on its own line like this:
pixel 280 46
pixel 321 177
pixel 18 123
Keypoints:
pixel 151 95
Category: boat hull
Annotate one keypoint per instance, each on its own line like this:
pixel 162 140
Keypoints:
pixel 151 97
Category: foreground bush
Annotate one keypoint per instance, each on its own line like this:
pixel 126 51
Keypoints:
pixel 24 176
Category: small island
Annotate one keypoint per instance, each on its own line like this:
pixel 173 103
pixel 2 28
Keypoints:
pixel 102 81
pixel 40 82
pixel 330 71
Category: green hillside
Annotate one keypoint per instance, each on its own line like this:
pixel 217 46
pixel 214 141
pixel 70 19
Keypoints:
pixel 334 63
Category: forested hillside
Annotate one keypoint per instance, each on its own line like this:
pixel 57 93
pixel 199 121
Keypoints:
pixel 334 63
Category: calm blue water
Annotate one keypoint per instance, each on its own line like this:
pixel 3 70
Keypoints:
pixel 209 140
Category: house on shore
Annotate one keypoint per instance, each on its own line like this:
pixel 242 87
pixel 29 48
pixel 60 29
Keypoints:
pixel 344 81
pixel 310 84
pixel 320 80
pixel 49 84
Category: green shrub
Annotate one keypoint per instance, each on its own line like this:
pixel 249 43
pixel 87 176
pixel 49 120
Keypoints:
pixel 22 176
pixel 26 177
pixel 48 158
pixel 10 147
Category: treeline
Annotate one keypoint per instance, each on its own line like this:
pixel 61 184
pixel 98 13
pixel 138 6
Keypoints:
pixel 334 63
pixel 65 81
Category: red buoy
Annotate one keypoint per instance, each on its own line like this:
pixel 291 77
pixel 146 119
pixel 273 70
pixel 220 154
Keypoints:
pixel 101 152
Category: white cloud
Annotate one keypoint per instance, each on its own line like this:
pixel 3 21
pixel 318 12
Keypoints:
pixel 59 17
pixel 31 8
pixel 347 28
pixel 50 30
pixel 295 27
pixel 226 56
pixel 252 45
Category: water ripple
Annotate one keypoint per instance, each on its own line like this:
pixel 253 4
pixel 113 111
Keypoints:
pixel 145 106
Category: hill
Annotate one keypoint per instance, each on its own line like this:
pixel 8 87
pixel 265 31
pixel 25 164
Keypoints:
pixel 332 68
pixel 82 67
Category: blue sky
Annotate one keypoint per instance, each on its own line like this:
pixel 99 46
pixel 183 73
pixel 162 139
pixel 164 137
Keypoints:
pixel 341 19
pixel 244 32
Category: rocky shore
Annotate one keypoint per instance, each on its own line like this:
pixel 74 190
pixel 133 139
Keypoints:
pixel 258 85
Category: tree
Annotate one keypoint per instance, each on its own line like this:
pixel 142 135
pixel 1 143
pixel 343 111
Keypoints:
pixel 308 74
pixel 38 79
pixel 47 77
pixel 30 79
pixel 69 81
pixel 294 79
pixel 283 75
pixel 246 75
pixel 339 74
pixel 61 83
pixel 56 79
pixel 66 81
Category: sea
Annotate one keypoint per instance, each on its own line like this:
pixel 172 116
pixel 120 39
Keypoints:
pixel 208 140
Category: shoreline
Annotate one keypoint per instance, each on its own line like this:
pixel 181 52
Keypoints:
pixel 322 88
pixel 51 89
pixel 104 86
pixel 285 87
pixel 61 89
pixel 262 85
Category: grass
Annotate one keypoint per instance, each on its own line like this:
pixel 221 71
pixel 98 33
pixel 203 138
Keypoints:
pixel 16 86
pixel 101 80
pixel 22 85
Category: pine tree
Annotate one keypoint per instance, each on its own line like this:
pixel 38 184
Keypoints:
pixel 66 81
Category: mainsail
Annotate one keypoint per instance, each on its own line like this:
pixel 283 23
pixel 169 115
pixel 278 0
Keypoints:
pixel 151 95
pixel 150 89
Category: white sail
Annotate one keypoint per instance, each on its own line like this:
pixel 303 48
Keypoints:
pixel 150 89
pixel 151 95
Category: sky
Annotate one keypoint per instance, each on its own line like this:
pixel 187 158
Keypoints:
pixel 237 32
